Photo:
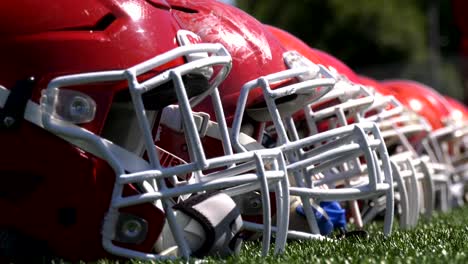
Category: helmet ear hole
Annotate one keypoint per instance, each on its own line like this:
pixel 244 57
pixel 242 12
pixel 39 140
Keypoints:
pixel 121 116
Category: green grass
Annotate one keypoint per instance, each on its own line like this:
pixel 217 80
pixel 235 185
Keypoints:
pixel 442 239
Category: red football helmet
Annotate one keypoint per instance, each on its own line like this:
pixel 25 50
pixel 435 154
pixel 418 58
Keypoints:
pixel 322 116
pixel 399 128
pixel 431 105
pixel 460 111
pixel 347 104
pixel 459 115
pixel 82 88
pixel 426 102
pixel 459 148
pixel 262 91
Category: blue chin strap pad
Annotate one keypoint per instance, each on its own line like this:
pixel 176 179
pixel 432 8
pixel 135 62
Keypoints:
pixel 336 217
pixel 336 214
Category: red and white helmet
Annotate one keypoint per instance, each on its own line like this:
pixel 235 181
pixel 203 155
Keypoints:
pixel 262 90
pixel 459 148
pixel 460 112
pixel 255 53
pixel 428 103
pixel 336 165
pixel 431 105
pixel 401 129
pixel 82 89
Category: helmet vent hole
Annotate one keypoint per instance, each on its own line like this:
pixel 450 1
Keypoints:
pixel 101 25
pixel 104 22
pixel 120 118
pixel 184 9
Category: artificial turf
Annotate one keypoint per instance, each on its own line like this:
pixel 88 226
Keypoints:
pixel 441 239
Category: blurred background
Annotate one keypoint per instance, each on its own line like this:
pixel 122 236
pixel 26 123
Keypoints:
pixel 423 40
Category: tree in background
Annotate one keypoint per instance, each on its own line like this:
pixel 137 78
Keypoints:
pixel 461 20
pixel 380 38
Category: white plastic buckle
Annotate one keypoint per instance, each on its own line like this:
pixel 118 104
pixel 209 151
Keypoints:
pixel 202 120
pixel 172 118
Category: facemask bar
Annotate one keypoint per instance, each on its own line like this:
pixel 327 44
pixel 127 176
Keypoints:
pixel 132 169
pixel 305 159
pixel 459 154
pixel 211 129
pixel 439 144
pixel 347 101
pixel 410 169
pixel 452 135
pixel 441 172
pixel 459 157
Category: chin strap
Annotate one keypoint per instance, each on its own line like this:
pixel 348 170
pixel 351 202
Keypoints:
pixel 329 216
pixel 14 104
pixel 211 224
